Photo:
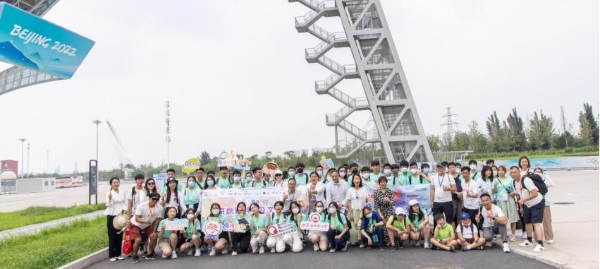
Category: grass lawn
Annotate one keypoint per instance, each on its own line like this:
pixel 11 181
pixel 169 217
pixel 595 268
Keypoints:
pixel 54 247
pixel 515 157
pixel 39 214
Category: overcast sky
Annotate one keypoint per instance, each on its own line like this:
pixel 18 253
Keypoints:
pixel 235 74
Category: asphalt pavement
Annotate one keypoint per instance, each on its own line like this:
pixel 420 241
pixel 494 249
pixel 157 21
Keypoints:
pixel 409 257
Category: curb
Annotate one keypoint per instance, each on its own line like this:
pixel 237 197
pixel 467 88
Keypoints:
pixel 87 260
pixel 36 228
pixel 538 257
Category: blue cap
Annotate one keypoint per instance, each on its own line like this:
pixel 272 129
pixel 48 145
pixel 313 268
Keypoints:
pixel 465 215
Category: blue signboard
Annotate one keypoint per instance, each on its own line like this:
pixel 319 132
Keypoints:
pixel 29 41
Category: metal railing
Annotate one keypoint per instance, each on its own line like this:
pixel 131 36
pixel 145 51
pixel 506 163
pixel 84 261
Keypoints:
pixel 328 82
pixel 353 130
pixel 320 32
pixel 331 64
pixel 342 97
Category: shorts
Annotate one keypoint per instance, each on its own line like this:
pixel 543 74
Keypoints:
pixel 534 214
pixel 447 208
pixel 224 235
pixel 136 232
pixel 470 240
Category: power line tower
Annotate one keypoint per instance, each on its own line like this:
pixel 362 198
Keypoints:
pixel 376 63
pixel 450 125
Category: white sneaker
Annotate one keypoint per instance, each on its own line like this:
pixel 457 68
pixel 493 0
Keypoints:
pixel 525 243
pixel 198 253
pixel 213 252
pixel 113 259
pixel 505 248
pixel 524 235
pixel 190 252
pixel 332 250
pixel 163 256
pixel 538 248
pixel 550 241
pixel 426 245
pixel 262 250
pixel 173 255
pixel 315 247
pixel 224 251
pixel 488 244
pixel 273 250
pixel 234 253
pixel 120 258
pixel 513 238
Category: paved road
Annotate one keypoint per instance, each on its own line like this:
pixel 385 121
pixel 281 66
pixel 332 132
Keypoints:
pixel 408 257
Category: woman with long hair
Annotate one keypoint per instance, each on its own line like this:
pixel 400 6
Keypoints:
pixel 115 205
pixel 221 242
pixel 241 240
pixel 505 193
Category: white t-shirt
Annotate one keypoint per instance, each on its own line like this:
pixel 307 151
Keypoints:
pixel 487 222
pixel 140 197
pixel 146 213
pixel 529 185
pixel 438 182
pixel 473 187
pixel 292 197
pixel 357 203
pixel 466 231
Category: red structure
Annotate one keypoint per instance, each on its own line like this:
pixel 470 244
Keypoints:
pixel 11 165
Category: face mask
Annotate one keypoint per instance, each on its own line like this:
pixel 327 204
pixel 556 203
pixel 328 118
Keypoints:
pixel 413 171
pixel 457 170
pixel 331 210
pixel 215 211
pixel 370 215
pixel 320 173
pixel 494 173
pixel 342 174
pixel 248 178
pixel 299 170
pixel 210 183
pixel 319 209
pixel 354 171
pixel 295 210
pixel 292 173
pixel 365 175
pixel 473 167
pixel 387 171
pixel 236 179
pixel 403 169
pixel 426 170
pixel 190 216
pixel 191 184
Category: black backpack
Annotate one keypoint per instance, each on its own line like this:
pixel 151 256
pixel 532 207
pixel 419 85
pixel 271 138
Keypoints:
pixel 470 226
pixel 349 223
pixel 410 179
pixel 538 181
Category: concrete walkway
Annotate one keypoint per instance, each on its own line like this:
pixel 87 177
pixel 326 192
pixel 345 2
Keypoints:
pixel 35 228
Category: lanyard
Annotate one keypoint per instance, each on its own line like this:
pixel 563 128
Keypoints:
pixel 441 182
pixel 292 197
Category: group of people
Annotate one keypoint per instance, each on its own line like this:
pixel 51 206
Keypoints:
pixel 469 207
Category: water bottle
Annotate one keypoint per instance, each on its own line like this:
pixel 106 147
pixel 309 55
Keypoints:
pixel 374 238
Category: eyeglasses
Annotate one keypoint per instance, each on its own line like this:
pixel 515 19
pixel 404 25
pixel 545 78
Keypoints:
pixel 150 183
pixel 155 199
pixel 278 175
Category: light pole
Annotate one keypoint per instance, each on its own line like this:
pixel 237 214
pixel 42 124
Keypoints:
pixel 22 155
pixel 97 122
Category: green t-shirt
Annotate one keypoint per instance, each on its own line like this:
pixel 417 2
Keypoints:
pixel 223 183
pixel 391 182
pixel 289 220
pixel 404 178
pixel 444 232
pixel 402 225
pixel 415 180
pixel 374 177
pixel 416 221
pixel 303 180
pixel 190 229
pixel 275 219
pixel 161 225
pixel 502 184
pixel 258 222
pixel 221 218
pixel 337 221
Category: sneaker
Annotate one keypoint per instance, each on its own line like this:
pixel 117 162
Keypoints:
pixel 381 249
pixel 488 244
pixel 481 248
pixel 234 253
pixel 315 247
pixel 538 248
pixel 400 245
pixel 346 248
pixel 262 250
pixel 426 245
pixel 332 250
pixel 525 243
pixel 224 251
pixel 120 258
pixel 505 248
pixel 163 256
pixel 144 254
pixel 361 246
pixel 393 248
pixel 136 259
pixel 198 253
pixel 465 249
pixel 173 255
pixel 524 235
pixel 151 256
pixel 451 249
pixel 190 252
pixel 113 259
pixel 550 241
pixel 273 250
pixel 418 244
pixel 213 252
pixel 513 238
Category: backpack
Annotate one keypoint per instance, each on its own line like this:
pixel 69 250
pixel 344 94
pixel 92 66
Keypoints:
pixel 349 223
pixel 537 180
pixel 133 193
pixel 410 179
pixel 470 226
pixel 474 175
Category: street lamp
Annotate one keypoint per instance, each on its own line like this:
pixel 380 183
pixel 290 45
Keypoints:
pixel 22 155
pixel 97 122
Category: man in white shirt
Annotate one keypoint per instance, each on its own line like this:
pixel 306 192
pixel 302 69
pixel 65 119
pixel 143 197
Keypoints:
pixel 291 194
pixel 470 193
pixel 442 187
pixel 336 191
pixel 146 218
pixel 531 204
pixel 493 220
pixel 135 196
pixel 468 234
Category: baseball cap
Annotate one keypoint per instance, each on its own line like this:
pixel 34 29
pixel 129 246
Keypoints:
pixel 172 179
pixel 413 202
pixel 400 211
pixel 465 215
pixel 278 172
pixel 442 164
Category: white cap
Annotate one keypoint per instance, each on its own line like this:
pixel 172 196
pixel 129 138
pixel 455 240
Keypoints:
pixel 278 172
pixel 400 211
pixel 413 202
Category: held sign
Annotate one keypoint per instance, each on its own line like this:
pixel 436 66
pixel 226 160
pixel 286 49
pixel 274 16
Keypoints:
pixel 212 229
pixel 176 224
pixel 280 229
pixel 314 223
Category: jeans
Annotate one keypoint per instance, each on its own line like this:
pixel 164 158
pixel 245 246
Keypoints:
pixel 379 233
pixel 337 243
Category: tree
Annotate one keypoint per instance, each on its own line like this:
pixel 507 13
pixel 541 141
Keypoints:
pixel 204 158
pixel 593 124
pixel 540 131
pixel 585 131
pixel 434 142
pixel 478 141
pixel 290 154
pixel 518 140
pixel 494 132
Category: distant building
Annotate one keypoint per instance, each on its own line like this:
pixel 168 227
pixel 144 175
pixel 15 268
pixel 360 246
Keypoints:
pixel 10 165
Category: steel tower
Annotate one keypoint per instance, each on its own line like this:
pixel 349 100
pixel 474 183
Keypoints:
pixel 387 95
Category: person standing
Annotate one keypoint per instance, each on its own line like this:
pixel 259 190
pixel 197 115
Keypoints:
pixel 336 191
pixel 442 186
pixel 470 194
pixel 115 205
pixel 356 198
pixel 531 204
pixel 547 223
pixel 504 190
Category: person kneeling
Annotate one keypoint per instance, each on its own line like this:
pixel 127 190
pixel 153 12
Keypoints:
pixel 443 237
pixel 168 238
pixel 398 226
pixel 371 227
pixel 468 234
